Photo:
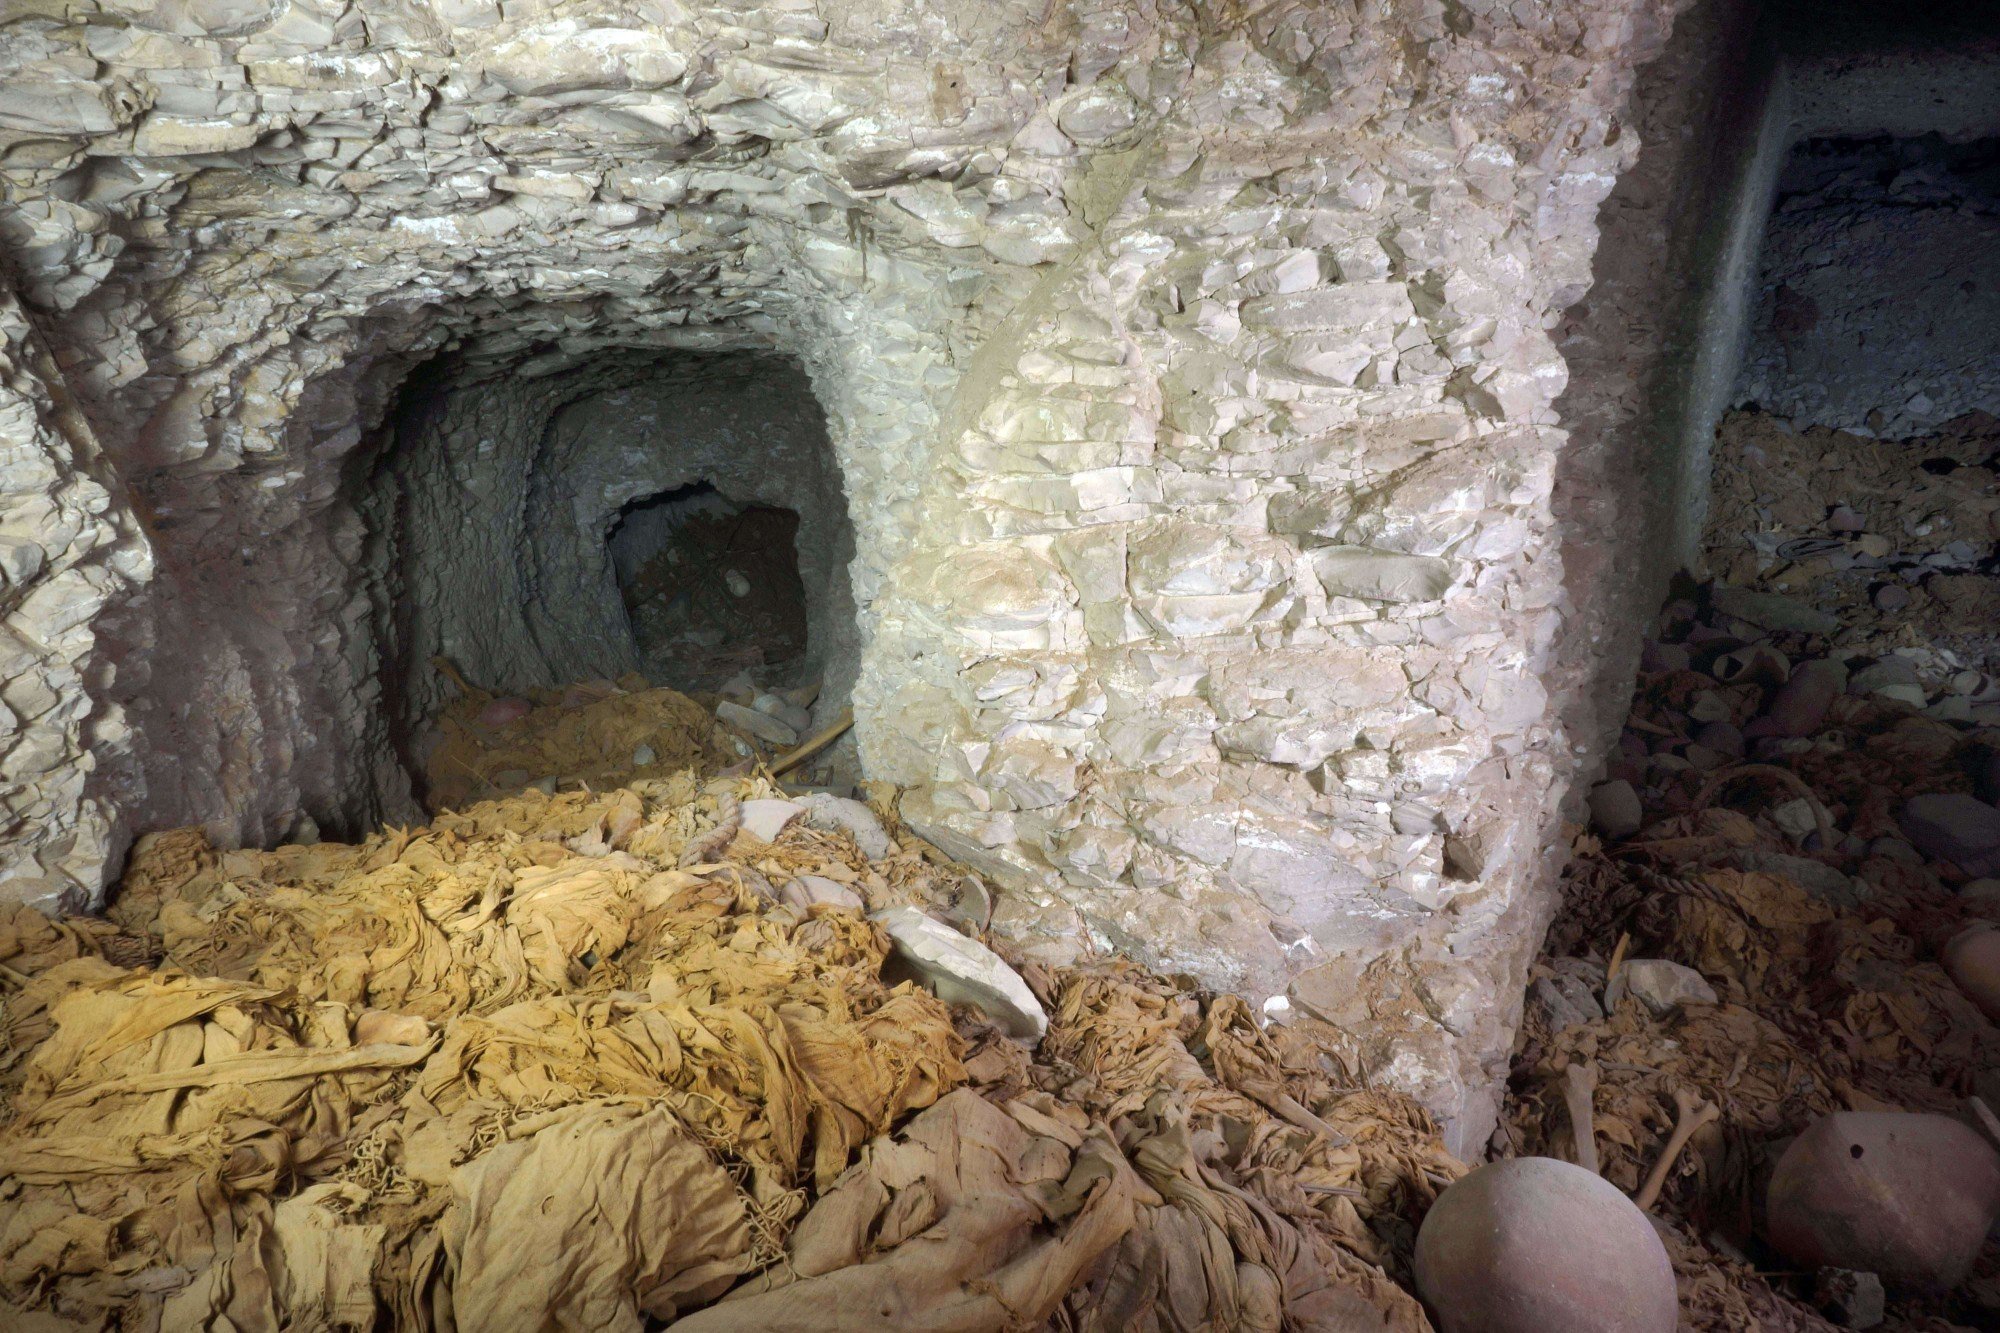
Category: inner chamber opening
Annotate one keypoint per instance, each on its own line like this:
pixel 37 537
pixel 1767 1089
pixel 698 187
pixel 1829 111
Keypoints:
pixel 711 586
pixel 1856 468
pixel 553 530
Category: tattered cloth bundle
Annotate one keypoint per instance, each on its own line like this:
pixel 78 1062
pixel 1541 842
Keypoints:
pixel 523 1070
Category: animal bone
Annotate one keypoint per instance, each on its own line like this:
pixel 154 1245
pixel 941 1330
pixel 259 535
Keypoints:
pixel 1579 1081
pixel 1692 1113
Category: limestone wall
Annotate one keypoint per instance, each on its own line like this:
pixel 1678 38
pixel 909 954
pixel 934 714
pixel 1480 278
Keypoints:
pixel 1187 366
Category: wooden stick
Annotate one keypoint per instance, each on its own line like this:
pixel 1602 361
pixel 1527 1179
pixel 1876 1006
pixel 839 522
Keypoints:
pixel 785 763
pixel 1611 990
pixel 444 664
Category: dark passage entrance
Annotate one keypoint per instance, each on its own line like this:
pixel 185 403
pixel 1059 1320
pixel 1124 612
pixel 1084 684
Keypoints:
pixel 711 586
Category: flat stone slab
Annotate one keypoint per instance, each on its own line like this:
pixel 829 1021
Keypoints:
pixel 1952 826
pixel 761 725
pixel 960 970
pixel 1663 986
pixel 1769 610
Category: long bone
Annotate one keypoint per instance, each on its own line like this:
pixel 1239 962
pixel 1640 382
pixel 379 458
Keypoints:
pixel 1692 1113
pixel 1579 1080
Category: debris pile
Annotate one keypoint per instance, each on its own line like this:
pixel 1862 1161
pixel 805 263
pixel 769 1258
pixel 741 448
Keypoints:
pixel 635 1034
pixel 670 1054
pixel 1895 538
pixel 599 734
pixel 1755 946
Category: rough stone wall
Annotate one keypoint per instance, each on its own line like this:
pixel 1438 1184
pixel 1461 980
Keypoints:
pixel 68 546
pixel 1652 349
pixel 1187 366
pixel 1257 546
pixel 496 491
pixel 750 426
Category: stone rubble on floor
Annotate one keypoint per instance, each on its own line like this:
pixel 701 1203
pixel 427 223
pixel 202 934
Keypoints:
pixel 1663 986
pixel 1797 934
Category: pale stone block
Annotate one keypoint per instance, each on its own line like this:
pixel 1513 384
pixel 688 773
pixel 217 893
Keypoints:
pixel 1359 571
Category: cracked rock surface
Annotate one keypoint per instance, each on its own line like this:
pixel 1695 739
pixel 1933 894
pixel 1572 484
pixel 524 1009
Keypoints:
pixel 1187 382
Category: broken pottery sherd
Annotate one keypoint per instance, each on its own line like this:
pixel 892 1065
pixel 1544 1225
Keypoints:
pixel 1799 705
pixel 767 819
pixel 1972 961
pixel 1753 664
pixel 1891 670
pixel 1772 611
pixel 1536 1245
pixel 960 970
pixel 1905 1196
